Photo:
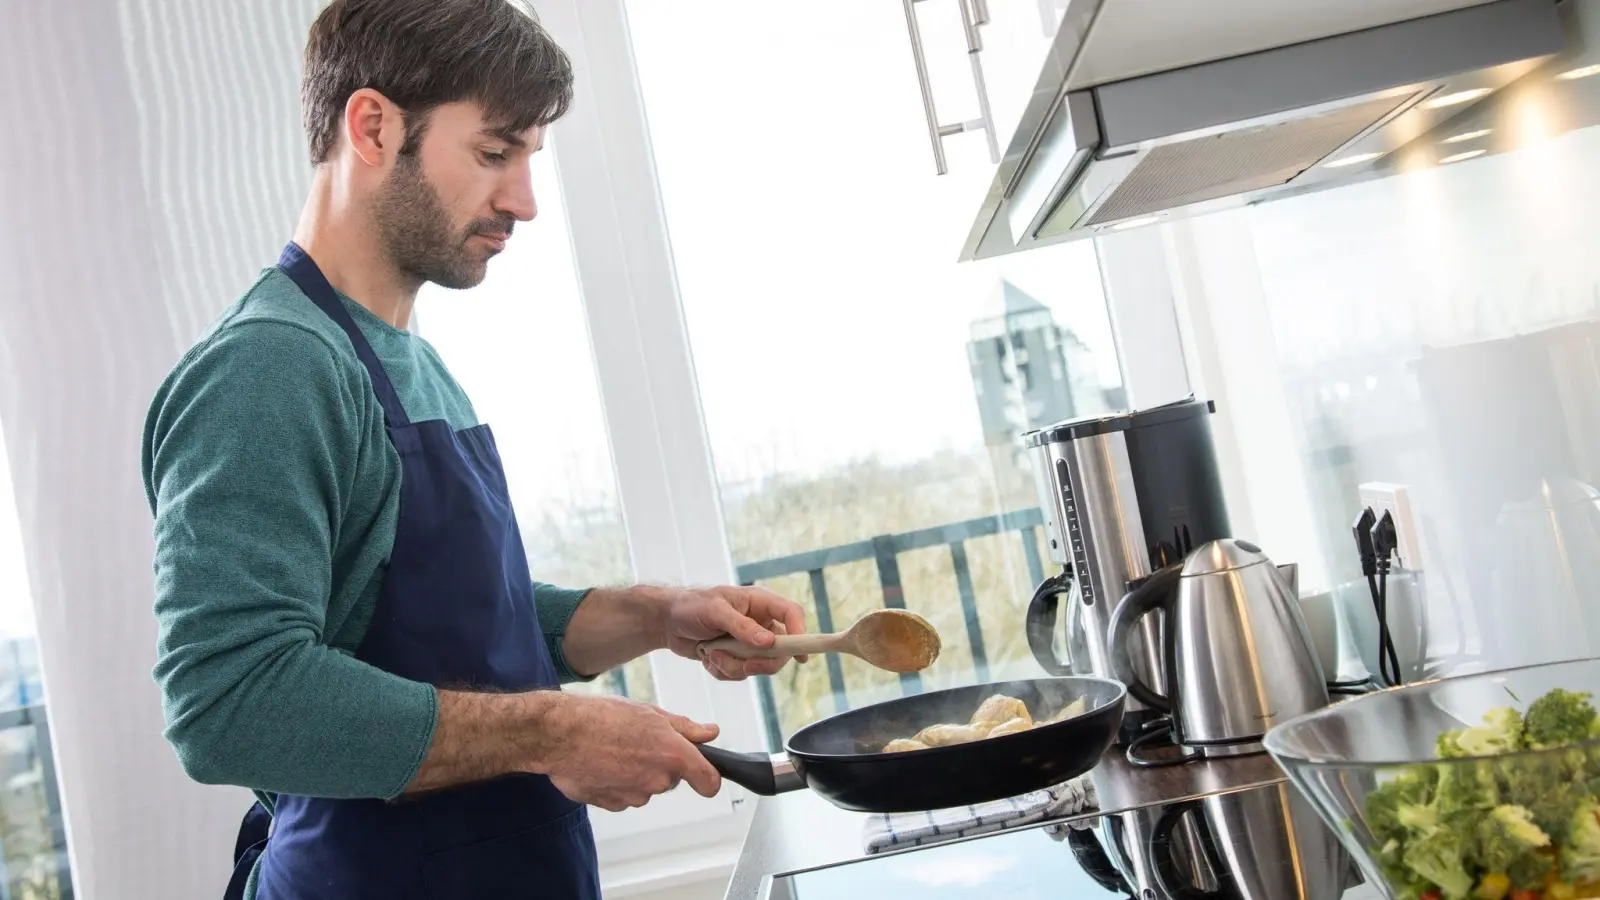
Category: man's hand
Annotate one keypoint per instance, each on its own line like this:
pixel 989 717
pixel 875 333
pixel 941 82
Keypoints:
pixel 615 753
pixel 750 614
pixel 614 625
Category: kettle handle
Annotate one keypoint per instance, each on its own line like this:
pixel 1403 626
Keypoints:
pixel 1171 881
pixel 1135 605
pixel 1040 623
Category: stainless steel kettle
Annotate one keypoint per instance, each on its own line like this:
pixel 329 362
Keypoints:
pixel 1239 658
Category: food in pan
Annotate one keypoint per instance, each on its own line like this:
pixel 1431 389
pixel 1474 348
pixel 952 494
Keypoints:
pixel 1000 709
pixel 1012 727
pixel 1519 827
pixel 945 735
pixel 999 715
pixel 1076 708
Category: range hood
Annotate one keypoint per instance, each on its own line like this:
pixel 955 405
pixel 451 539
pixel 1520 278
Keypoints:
pixel 1154 108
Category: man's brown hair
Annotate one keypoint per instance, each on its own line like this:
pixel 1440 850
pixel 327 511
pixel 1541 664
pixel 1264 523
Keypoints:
pixel 422 54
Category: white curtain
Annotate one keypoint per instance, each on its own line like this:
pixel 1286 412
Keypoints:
pixel 151 163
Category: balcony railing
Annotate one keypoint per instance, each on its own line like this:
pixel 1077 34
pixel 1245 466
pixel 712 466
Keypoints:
pixel 33 843
pixel 885 550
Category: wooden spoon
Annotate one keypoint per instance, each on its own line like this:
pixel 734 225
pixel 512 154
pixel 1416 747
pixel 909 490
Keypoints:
pixel 891 639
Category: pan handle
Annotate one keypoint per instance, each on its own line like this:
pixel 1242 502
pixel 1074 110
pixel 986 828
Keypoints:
pixel 758 772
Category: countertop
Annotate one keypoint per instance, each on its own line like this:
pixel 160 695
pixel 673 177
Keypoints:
pixel 801 831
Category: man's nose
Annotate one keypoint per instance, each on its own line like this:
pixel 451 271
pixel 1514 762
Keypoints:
pixel 516 197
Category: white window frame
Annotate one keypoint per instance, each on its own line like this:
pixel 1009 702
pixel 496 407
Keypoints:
pixel 667 483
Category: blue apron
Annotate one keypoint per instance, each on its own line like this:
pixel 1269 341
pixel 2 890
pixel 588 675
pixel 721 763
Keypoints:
pixel 456 610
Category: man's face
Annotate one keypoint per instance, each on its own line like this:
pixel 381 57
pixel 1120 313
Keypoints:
pixel 445 209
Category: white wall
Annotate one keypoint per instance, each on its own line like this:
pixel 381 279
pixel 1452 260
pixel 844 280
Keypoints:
pixel 127 220
pixel 1438 328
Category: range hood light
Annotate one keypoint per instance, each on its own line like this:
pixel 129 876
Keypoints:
pixel 1354 160
pixel 1135 223
pixel 1457 98
pixel 1466 136
pixel 1461 156
pixel 1580 72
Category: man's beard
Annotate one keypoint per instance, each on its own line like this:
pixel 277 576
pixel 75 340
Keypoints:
pixel 417 233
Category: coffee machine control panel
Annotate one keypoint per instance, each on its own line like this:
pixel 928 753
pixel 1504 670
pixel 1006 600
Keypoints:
pixel 1082 572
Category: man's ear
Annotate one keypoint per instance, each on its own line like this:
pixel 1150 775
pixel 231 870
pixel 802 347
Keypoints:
pixel 374 126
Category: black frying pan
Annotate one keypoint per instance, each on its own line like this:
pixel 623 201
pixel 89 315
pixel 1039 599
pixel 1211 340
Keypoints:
pixel 840 758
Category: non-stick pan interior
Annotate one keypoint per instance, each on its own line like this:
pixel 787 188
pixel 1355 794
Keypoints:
pixel 841 759
pixel 867 729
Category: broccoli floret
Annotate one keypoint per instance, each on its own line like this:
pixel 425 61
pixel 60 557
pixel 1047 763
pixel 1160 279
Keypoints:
pixel 1517 824
pixel 1466 787
pixel 1559 717
pixel 1436 856
pixel 1506 835
pixel 1448 746
pixel 1417 819
pixel 1580 853
pixel 1531 871
pixel 1501 732
pixel 1413 787
pixel 1548 786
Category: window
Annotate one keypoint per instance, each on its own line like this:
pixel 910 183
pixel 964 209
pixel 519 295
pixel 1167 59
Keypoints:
pixel 843 359
pixel 519 346
pixel 33 848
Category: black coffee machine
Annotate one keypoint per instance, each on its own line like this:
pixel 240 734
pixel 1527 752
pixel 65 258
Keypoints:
pixel 1122 496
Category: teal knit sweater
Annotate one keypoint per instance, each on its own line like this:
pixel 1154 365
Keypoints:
pixel 276 493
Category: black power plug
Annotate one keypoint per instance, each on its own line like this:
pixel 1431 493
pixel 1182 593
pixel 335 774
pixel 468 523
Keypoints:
pixel 1364 544
pixel 1376 541
pixel 1385 541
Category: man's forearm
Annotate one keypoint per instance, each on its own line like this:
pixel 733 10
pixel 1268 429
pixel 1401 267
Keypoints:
pixel 614 625
pixel 481 736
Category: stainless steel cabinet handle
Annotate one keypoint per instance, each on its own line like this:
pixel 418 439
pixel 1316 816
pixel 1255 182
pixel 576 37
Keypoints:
pixel 927 89
pixel 974 13
pixel 970 20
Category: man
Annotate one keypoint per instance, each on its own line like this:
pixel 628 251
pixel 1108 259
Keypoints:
pixel 347 621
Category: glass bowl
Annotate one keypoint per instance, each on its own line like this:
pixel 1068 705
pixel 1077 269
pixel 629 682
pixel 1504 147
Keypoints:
pixel 1361 761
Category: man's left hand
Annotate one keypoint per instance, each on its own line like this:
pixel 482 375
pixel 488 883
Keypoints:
pixel 752 615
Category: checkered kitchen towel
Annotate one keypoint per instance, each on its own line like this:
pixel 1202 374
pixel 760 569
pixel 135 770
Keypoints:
pixel 894 831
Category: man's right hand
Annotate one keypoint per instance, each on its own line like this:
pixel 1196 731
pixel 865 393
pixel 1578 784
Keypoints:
pixel 615 753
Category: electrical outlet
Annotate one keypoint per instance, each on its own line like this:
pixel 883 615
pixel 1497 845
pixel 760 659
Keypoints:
pixel 1395 499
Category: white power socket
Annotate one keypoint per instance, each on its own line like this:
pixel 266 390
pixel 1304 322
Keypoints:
pixel 1395 499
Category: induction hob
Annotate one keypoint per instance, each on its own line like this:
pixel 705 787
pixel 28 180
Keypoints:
pixel 1259 844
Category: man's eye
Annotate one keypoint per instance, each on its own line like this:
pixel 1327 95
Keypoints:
pixel 493 157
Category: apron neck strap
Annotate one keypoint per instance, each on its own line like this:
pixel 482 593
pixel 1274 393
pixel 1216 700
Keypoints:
pixel 300 267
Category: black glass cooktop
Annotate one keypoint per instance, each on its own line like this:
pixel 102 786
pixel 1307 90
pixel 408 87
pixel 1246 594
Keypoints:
pixel 1261 844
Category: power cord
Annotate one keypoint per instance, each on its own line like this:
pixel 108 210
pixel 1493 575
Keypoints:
pixel 1155 730
pixel 1376 542
pixel 1353 688
pixel 1386 540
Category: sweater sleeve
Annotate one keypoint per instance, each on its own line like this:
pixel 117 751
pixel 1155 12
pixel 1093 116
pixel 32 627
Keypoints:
pixel 250 450
pixel 556 606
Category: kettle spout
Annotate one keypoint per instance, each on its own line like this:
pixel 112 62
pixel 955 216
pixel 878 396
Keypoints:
pixel 1291 573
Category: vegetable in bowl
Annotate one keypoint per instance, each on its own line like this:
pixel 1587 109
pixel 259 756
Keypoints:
pixel 1498 823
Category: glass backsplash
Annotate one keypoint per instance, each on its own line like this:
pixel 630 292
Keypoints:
pixel 1438 326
